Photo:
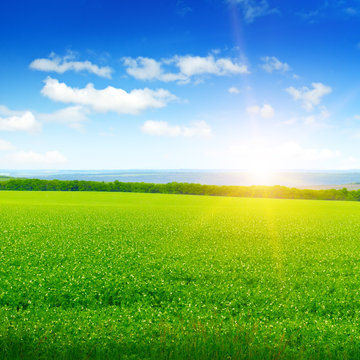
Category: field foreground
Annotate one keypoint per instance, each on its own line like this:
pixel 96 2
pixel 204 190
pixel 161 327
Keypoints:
pixel 137 276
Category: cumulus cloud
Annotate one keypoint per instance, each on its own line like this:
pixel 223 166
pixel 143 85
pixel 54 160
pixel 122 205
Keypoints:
pixel 253 9
pixel 266 111
pixel 290 121
pixel 313 120
pixel 350 162
pixel 108 99
pixel 187 66
pixel 317 119
pixel 143 68
pixel 72 116
pixel 4 111
pixel 234 90
pixel 60 65
pixel 163 128
pixel 294 151
pixel 49 158
pixel 310 97
pixel 12 120
pixel 21 122
pixel 6 145
pixel 271 63
pixel 260 155
pixel 197 65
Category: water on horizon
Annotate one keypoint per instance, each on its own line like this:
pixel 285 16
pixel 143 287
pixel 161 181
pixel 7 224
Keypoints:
pixel 208 177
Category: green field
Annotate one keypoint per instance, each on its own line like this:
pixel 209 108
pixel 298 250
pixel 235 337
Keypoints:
pixel 137 276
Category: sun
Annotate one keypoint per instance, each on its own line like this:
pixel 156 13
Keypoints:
pixel 261 173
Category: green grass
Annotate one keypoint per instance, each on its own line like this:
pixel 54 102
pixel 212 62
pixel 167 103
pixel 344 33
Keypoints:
pixel 137 276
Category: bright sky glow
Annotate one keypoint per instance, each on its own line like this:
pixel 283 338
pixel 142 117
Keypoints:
pixel 222 84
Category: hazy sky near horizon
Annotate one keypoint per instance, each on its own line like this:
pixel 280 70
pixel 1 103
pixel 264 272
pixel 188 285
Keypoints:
pixel 207 84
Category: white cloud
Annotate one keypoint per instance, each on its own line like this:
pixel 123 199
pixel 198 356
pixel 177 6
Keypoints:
pixel 143 68
pixel 108 99
pixel 356 117
pixel 60 65
pixel 271 63
pixel 4 111
pixel 350 162
pixel 24 121
pixel 329 9
pixel 187 66
pixel 197 65
pixel 6 145
pixel 260 156
pixel 163 128
pixel 49 158
pixel 252 9
pixel 314 120
pixel 295 151
pixel 266 111
pixel 73 116
pixel 310 97
pixel 12 120
pixel 317 119
pixel 290 121
pixel 234 90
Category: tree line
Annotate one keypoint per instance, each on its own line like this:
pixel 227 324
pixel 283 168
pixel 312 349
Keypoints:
pixel 280 192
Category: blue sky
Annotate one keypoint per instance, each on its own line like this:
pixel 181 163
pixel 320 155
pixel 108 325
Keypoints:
pixel 205 84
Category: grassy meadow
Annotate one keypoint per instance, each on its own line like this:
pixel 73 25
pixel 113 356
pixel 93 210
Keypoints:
pixel 87 275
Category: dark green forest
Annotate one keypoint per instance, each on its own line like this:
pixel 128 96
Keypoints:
pixel 280 192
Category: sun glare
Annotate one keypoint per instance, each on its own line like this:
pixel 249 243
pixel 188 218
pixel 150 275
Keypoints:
pixel 261 176
pixel 260 170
